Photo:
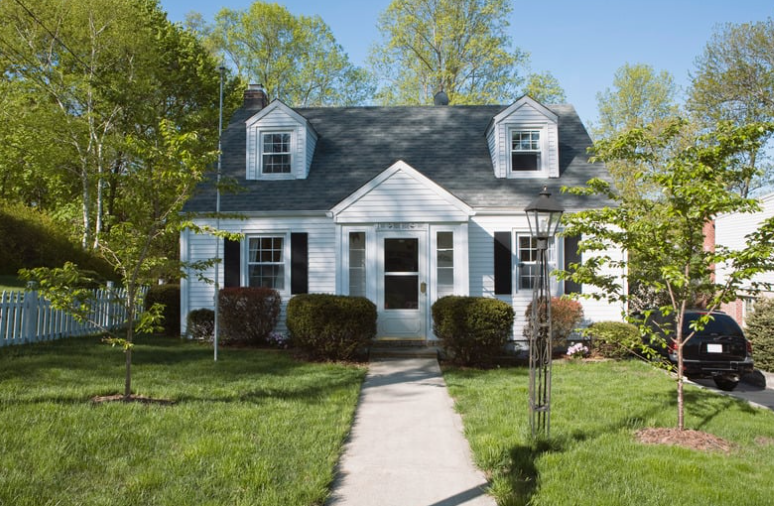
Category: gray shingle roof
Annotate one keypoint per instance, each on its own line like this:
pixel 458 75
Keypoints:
pixel 445 143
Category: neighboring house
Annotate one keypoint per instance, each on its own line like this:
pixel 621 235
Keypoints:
pixel 730 231
pixel 402 205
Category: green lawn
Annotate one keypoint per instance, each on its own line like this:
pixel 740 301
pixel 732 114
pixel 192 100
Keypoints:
pixel 255 428
pixel 592 457
pixel 11 283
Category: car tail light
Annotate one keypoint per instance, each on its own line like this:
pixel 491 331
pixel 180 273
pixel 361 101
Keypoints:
pixel 749 347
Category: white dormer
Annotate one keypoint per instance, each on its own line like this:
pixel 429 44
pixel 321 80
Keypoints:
pixel 524 141
pixel 280 144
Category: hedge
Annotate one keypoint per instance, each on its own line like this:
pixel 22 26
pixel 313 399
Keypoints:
pixel 615 340
pixel 248 314
pixel 760 332
pixel 201 324
pixel 333 327
pixel 566 315
pixel 169 297
pixel 474 329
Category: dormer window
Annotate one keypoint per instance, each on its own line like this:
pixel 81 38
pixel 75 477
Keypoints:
pixel 525 150
pixel 275 153
pixel 524 141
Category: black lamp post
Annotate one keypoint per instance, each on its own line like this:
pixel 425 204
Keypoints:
pixel 543 214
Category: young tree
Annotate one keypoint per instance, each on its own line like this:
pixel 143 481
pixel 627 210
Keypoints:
pixel 693 188
pixel 734 81
pixel 295 58
pixel 163 170
pixel 460 47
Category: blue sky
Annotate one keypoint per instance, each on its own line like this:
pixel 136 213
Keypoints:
pixel 581 43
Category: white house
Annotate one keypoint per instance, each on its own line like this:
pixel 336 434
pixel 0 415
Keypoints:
pixel 731 231
pixel 402 205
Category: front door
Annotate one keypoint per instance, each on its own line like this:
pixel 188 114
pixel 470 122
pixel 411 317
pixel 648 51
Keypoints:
pixel 402 284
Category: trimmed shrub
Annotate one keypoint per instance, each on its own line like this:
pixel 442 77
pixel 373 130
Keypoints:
pixel 566 315
pixel 248 314
pixel 760 332
pixel 332 327
pixel 169 297
pixel 615 340
pixel 201 324
pixel 474 329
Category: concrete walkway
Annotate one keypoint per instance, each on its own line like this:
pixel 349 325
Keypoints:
pixel 407 447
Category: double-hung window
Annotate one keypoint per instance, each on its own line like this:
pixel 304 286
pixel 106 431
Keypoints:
pixel 266 262
pixel 525 150
pixel 527 256
pixel 275 153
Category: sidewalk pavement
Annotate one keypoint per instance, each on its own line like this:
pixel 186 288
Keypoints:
pixel 407 447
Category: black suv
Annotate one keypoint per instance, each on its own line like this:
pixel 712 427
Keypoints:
pixel 719 351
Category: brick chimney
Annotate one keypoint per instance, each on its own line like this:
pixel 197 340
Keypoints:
pixel 255 97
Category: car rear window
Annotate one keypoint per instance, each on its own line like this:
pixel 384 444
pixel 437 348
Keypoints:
pixel 722 325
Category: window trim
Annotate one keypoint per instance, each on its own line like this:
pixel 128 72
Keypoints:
pixel 517 265
pixel 541 152
pixel 259 166
pixel 286 258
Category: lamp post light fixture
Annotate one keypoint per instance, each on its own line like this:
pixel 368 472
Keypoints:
pixel 543 214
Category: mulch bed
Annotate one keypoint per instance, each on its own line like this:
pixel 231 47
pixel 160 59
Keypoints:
pixel 101 399
pixel 692 439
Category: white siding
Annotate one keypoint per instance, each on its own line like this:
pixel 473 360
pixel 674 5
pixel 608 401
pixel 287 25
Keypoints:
pixel 481 253
pixel 731 230
pixel 321 255
pixel 400 198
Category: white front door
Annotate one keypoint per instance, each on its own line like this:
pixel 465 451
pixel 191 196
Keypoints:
pixel 402 284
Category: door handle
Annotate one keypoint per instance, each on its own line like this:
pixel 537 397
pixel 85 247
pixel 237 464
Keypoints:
pixel 423 287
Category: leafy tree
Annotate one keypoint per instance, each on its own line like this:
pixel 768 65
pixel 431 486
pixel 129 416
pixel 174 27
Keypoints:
pixel 163 170
pixel 693 186
pixel 545 88
pixel 734 81
pixel 640 96
pixel 295 58
pixel 95 73
pixel 460 47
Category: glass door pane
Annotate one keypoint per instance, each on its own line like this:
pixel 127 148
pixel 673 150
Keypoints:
pixel 401 274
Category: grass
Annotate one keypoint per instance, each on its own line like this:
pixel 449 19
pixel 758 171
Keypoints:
pixel 11 284
pixel 592 456
pixel 255 428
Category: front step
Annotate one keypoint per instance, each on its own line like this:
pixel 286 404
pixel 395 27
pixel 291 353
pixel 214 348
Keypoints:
pixel 402 348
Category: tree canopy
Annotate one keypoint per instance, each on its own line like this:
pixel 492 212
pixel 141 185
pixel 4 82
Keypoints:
pixel 734 81
pixel 460 47
pixel 666 252
pixel 85 77
pixel 295 58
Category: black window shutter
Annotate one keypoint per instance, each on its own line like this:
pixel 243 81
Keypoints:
pixel 503 276
pixel 571 256
pixel 299 263
pixel 231 262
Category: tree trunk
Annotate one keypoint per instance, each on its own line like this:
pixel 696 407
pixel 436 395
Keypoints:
pixel 130 295
pixel 680 396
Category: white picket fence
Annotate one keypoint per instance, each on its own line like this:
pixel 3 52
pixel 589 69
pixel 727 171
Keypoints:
pixel 26 317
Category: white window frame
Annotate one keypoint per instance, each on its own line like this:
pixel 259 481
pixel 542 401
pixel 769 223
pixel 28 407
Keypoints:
pixel 519 265
pixel 261 153
pixel 246 263
pixel 541 152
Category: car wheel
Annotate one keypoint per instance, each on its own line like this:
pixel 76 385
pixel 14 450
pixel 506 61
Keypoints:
pixel 726 383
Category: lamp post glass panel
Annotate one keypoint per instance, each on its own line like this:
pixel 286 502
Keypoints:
pixel 543 214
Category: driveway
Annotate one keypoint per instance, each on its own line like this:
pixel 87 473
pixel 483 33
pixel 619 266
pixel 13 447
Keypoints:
pixel 756 395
